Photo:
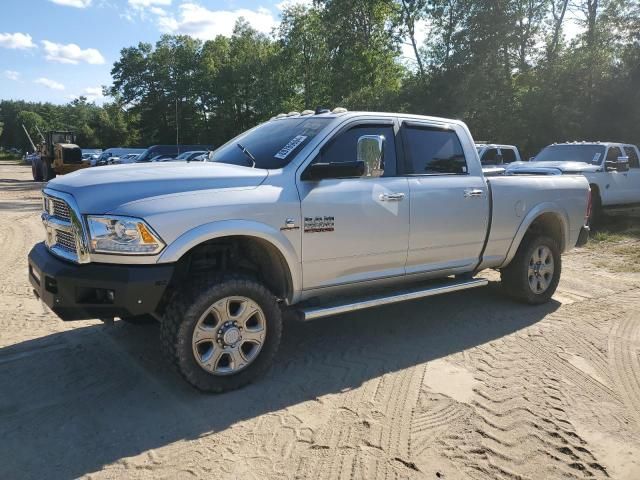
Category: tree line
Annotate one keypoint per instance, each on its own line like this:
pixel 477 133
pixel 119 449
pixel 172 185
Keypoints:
pixel 505 67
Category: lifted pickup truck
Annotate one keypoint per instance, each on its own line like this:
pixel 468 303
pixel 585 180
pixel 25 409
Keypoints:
pixel 303 216
pixel 612 170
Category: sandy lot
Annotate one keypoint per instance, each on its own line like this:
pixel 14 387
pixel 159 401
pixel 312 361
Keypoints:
pixel 469 385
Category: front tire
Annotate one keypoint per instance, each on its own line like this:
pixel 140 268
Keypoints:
pixel 534 273
pixel 35 171
pixel 222 333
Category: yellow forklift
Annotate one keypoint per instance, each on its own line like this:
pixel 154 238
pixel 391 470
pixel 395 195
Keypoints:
pixel 56 154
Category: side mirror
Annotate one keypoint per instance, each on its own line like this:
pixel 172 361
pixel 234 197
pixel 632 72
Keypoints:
pixel 620 165
pixel 321 171
pixel 209 156
pixel 371 153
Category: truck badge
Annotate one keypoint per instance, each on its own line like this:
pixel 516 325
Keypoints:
pixel 318 224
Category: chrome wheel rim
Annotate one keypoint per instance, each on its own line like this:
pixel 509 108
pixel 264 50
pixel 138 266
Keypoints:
pixel 229 335
pixel 541 268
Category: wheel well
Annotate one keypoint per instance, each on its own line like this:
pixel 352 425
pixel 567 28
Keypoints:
pixel 550 225
pixel 238 254
pixel 595 192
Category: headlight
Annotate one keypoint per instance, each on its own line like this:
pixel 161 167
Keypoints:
pixel 124 235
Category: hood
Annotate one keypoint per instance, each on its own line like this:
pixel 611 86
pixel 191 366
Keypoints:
pixel 551 168
pixel 102 189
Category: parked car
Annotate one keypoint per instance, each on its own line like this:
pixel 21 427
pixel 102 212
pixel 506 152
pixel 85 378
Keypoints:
pixel 113 153
pixel 196 155
pixel 306 216
pixel 494 157
pixel 165 157
pixel 166 150
pixel 612 169
pixel 128 158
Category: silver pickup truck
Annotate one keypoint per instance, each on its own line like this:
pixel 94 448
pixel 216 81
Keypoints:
pixel 304 216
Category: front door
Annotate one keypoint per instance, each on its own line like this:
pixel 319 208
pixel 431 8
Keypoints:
pixel 449 204
pixel 354 229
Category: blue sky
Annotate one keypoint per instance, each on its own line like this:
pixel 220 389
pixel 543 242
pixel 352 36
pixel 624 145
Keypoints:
pixel 56 50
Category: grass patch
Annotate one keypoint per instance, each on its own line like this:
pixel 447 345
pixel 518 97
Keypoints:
pixel 6 156
pixel 619 243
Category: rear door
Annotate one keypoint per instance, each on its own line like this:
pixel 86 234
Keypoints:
pixel 449 206
pixel 355 229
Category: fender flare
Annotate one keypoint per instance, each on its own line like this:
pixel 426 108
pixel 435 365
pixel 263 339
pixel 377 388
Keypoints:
pixel 246 228
pixel 532 216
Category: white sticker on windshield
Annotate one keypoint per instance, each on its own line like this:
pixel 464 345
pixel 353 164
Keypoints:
pixel 290 147
pixel 596 158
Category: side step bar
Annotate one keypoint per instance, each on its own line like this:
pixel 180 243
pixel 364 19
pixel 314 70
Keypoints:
pixel 311 313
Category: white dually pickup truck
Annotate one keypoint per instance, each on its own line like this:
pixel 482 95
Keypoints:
pixel 305 216
pixel 612 170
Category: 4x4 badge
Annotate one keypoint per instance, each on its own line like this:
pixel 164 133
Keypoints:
pixel 289 224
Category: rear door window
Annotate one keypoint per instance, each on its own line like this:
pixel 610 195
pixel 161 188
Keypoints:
pixel 433 151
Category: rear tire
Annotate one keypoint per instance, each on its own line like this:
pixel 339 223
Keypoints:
pixel 222 333
pixel 534 273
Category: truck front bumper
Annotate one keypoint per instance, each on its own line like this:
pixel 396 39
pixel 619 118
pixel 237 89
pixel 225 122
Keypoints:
pixel 78 292
pixel 583 238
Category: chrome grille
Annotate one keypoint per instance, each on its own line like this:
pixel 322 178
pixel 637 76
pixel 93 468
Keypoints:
pixel 60 209
pixel 65 236
pixel 66 240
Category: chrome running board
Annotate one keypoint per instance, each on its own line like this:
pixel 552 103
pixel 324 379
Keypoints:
pixel 311 313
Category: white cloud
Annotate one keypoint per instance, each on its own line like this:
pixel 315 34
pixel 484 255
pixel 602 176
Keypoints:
pixel 71 53
pixel 93 93
pixel 12 74
pixel 292 3
pixel 200 22
pixel 158 11
pixel 73 3
pixel 16 40
pixel 148 3
pixel 52 84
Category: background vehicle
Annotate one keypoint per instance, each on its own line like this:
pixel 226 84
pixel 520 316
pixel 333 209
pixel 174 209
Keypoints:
pixel 57 154
pixel 190 156
pixel 128 158
pixel 165 157
pixel 612 169
pixel 166 150
pixel 114 152
pixel 495 157
pixel 307 215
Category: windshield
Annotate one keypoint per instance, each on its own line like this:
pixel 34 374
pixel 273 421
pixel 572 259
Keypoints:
pixel 592 154
pixel 273 144
pixel 187 155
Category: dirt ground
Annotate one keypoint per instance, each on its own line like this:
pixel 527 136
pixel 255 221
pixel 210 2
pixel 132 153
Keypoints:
pixel 469 385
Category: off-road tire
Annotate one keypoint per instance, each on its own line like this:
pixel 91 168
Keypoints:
pixel 515 277
pixel 47 172
pixel 185 309
pixel 36 172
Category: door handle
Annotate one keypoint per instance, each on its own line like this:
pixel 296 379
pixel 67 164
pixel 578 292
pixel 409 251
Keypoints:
pixel 473 192
pixel 391 197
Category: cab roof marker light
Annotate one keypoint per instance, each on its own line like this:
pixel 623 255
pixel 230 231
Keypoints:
pixel 339 110
pixel 307 112
pixel 281 115
pixel 293 114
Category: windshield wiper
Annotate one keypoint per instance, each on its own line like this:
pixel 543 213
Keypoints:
pixel 248 154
